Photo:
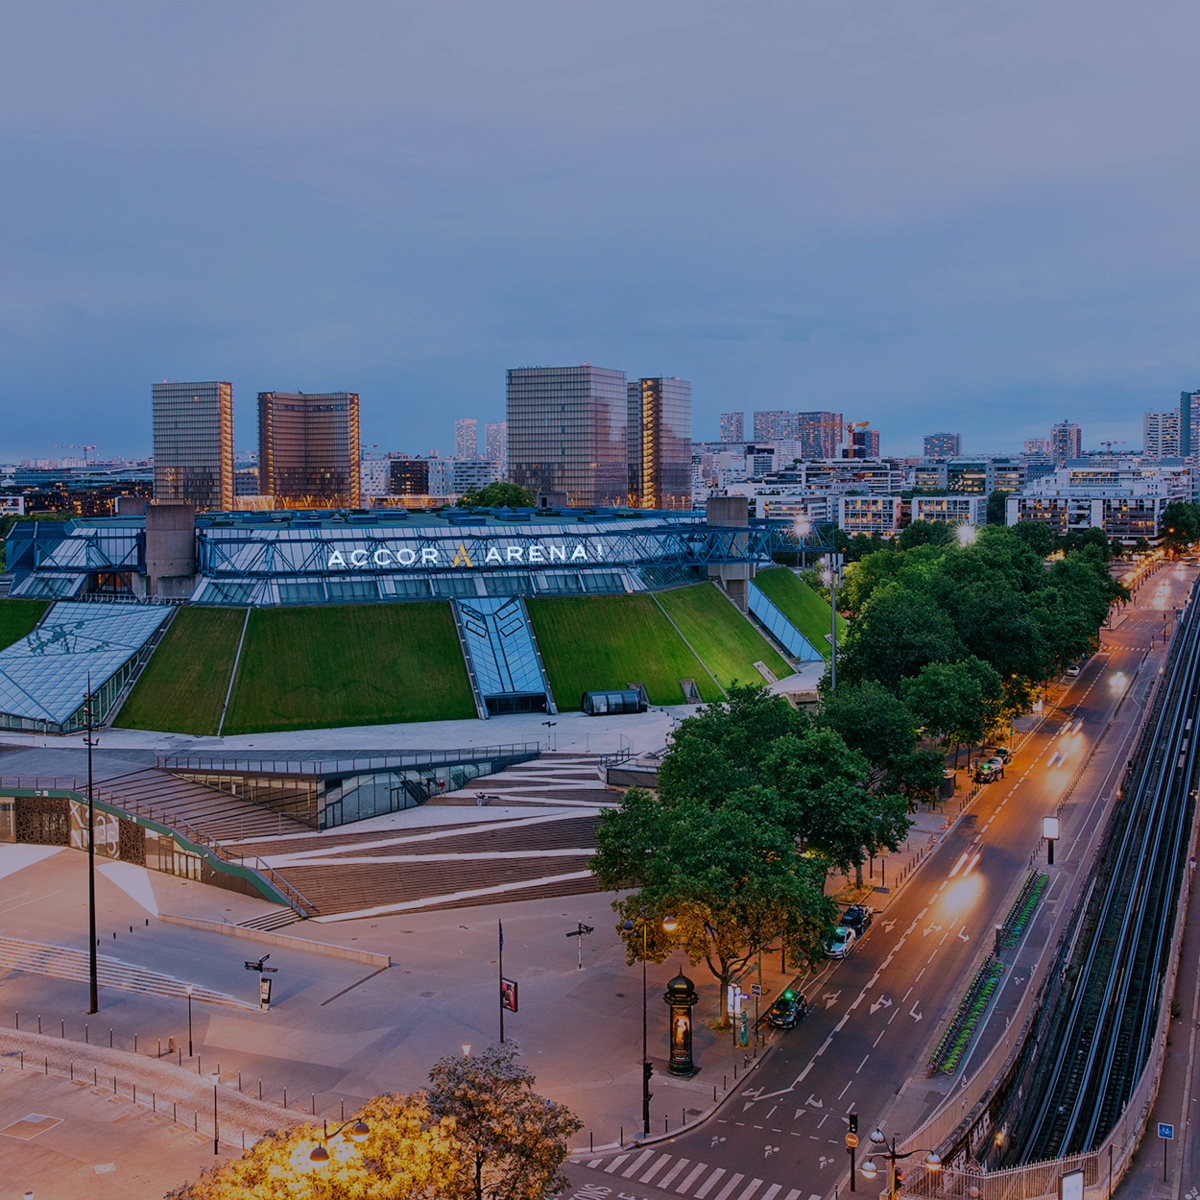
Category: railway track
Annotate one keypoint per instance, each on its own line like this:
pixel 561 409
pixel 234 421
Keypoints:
pixel 1096 1023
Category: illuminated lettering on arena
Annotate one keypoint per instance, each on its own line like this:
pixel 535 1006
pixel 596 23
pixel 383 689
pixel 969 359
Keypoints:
pixel 534 554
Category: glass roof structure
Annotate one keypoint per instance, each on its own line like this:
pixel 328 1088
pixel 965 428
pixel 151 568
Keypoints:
pixel 500 644
pixel 780 628
pixel 44 676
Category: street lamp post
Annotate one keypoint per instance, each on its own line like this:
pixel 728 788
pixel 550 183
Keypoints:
pixel 931 1162
pixel 93 990
pixel 319 1155
pixel 669 924
pixel 189 996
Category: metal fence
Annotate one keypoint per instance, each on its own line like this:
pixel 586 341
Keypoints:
pixel 313 765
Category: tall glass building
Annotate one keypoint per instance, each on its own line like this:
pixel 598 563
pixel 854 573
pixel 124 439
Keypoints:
pixel 567 433
pixel 659 439
pixel 193 444
pixel 308 449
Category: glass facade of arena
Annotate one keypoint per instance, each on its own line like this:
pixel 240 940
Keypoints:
pixel 308 449
pixel 193 444
pixel 567 433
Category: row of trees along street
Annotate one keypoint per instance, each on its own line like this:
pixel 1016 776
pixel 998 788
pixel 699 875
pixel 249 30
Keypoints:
pixel 756 804
pixel 478 1132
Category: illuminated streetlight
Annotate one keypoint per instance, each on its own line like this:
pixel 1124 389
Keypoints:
pixel 931 1162
pixel 669 924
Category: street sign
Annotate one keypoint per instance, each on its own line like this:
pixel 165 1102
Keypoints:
pixel 852 1140
pixel 756 989
pixel 1166 1131
pixel 508 994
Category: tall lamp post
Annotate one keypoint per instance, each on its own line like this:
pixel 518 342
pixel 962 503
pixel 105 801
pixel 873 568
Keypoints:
pixel 931 1161
pixel 93 991
pixel 669 924
pixel 189 996
pixel 834 574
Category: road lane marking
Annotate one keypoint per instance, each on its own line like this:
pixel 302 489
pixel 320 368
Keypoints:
pixel 751 1188
pixel 845 1090
pixel 723 1194
pixel 709 1183
pixel 639 1162
pixel 930 958
pixel 697 1171
pixel 825 1043
pixel 881 1033
pixel 669 1177
pixel 772 1191
pixel 905 996
pixel 654 1170
pixel 862 1064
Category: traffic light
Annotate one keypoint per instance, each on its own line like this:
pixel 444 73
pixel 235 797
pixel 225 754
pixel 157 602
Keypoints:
pixel 853 1119
pixel 647 1075
pixel 899 1177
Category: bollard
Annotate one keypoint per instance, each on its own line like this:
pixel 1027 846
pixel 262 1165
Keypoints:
pixel 665 1127
pixel 735 1072
pixel 86 1039
pixel 114 1085
pixel 683 1116
pixel 590 1149
pixel 285 1097
pixel 260 1089
pixel 72 1065
pixel 135 1093
pixel 153 1102
pixel 725 1083
pixel 160 1047
pixel 63 1030
pixel 17 1014
pixel 110 1039
pixel 314 1104
pixel 47 1066
pixel 622 1137
pixel 714 1093
pixel 174 1112
pixel 135 1043
pixel 95 1078
pixel 240 1084
pixel 39 1022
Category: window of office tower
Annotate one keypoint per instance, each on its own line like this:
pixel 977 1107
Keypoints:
pixel 567 433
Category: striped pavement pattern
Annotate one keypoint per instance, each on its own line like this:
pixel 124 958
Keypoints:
pixel 61 963
pixel 697 1180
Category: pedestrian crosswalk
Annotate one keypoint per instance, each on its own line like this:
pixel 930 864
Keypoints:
pixel 697 1180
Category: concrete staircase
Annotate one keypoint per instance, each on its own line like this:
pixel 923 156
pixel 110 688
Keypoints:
pixel 61 963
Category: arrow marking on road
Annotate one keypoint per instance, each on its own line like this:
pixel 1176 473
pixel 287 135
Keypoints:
pixel 916 1016
pixel 812 1100
pixel 830 998
pixel 931 929
pixel 882 1002
pixel 888 925
pixel 963 936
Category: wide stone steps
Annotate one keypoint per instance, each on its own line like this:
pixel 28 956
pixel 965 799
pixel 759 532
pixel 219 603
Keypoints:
pixel 59 962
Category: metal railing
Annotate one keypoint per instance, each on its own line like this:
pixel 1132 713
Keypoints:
pixel 296 899
pixel 310 764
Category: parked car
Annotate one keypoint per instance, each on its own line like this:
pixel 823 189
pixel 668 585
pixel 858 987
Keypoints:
pixel 858 917
pixel 1073 669
pixel 788 1011
pixel 1000 752
pixel 840 942
pixel 985 772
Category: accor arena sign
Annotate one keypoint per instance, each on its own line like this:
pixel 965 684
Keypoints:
pixel 531 554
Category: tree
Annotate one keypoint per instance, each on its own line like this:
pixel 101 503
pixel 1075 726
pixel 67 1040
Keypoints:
pixel 954 701
pixel 510 1141
pixel 927 533
pixel 872 721
pixel 997 511
pixel 917 776
pixel 498 494
pixel 1037 535
pixel 407 1153
pixel 734 882
pixel 1180 525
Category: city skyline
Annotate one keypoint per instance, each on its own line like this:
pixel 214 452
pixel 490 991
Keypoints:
pixel 938 219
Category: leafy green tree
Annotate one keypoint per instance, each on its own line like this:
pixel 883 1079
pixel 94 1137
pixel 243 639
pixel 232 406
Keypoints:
pixel 927 533
pixel 498 494
pixel 1037 535
pixel 872 721
pixel 899 632
pixel 917 776
pixel 510 1141
pixel 408 1152
pixel 997 512
pixel 1180 525
pixel 954 701
pixel 734 882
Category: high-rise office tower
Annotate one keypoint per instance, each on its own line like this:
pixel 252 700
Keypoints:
pixel 308 449
pixel 495 442
pixel 660 443
pixel 733 427
pixel 466 438
pixel 774 424
pixel 1066 441
pixel 1038 446
pixel 943 445
pixel 820 434
pixel 1189 423
pixel 566 433
pixel 1161 434
pixel 193 444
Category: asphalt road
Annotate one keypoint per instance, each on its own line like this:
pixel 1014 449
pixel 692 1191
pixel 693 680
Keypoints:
pixel 781 1136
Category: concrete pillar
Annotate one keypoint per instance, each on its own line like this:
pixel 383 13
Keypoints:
pixel 731 512
pixel 170 548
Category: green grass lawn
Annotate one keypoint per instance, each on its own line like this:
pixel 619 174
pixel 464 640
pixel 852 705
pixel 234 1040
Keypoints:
pixel 349 664
pixel 720 635
pixel 183 686
pixel 595 643
pixel 18 617
pixel 800 604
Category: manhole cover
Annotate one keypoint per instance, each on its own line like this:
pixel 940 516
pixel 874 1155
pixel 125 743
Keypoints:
pixel 428 994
